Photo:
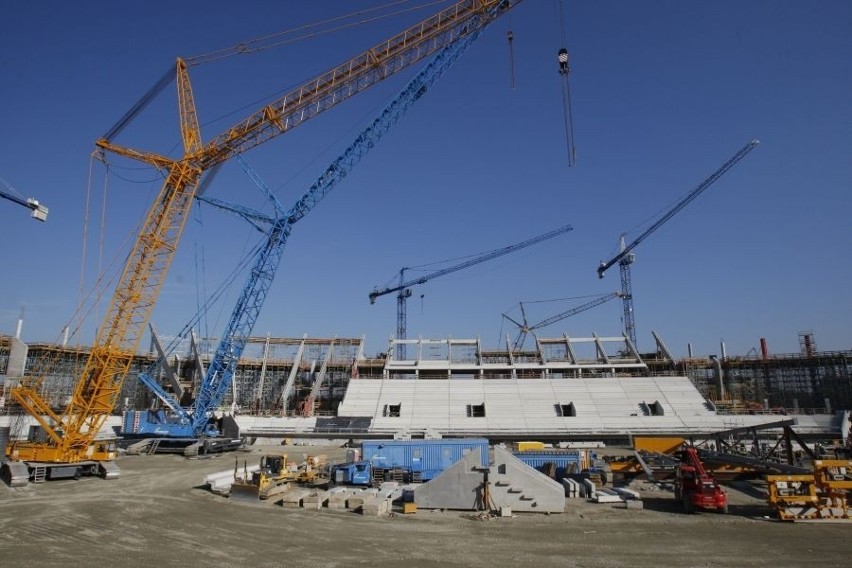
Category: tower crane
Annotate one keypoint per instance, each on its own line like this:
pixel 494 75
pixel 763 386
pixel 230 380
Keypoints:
pixel 525 328
pixel 69 446
pixel 193 428
pixel 39 211
pixel 625 256
pixel 404 286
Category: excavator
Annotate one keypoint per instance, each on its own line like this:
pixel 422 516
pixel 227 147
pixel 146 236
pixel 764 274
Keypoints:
pixel 695 487
pixel 65 442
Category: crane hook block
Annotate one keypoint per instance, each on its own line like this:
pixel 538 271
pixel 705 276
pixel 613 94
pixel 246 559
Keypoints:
pixel 562 57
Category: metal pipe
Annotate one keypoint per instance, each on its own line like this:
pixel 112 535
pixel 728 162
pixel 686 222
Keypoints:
pixel 720 383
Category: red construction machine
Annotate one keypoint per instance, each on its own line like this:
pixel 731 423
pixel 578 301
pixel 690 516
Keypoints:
pixel 695 488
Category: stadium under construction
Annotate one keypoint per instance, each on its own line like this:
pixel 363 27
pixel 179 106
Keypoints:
pixel 566 388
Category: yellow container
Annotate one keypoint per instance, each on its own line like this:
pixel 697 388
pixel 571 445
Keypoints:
pixel 528 446
pixel 660 445
pixel 408 508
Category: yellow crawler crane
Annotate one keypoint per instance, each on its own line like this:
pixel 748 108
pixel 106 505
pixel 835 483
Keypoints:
pixel 68 447
pixel 824 495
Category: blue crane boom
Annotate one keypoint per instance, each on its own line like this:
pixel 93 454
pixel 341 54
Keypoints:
pixel 404 286
pixel 39 211
pixel 625 256
pixel 195 422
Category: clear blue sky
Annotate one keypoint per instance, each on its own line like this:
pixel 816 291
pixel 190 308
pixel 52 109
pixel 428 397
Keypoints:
pixel 663 93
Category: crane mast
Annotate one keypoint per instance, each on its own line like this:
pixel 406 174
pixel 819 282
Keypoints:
pixel 404 286
pixel 625 256
pixel 194 422
pixel 71 435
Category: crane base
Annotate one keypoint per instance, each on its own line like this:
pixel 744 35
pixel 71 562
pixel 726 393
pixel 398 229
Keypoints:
pixel 20 473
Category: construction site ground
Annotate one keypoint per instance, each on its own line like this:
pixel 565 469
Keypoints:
pixel 158 513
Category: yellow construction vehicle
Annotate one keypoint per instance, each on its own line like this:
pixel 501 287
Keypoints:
pixel 826 494
pixel 273 477
pixel 65 445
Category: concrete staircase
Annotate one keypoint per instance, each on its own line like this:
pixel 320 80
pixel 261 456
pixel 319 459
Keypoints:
pixel 511 484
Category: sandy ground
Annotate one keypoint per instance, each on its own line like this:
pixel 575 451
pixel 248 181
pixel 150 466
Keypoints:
pixel 157 514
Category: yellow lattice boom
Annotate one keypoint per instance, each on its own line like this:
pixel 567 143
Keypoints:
pixel 71 436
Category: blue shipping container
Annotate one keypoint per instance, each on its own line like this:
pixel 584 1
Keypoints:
pixel 566 462
pixel 425 457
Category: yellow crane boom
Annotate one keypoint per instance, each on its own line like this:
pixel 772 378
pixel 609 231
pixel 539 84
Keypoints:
pixel 71 435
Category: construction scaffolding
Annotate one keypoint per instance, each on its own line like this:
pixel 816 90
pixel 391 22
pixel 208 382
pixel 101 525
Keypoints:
pixel 283 376
pixel 806 382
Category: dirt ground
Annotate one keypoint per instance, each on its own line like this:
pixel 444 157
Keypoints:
pixel 158 514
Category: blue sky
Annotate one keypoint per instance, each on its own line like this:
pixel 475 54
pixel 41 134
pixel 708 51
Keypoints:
pixel 663 93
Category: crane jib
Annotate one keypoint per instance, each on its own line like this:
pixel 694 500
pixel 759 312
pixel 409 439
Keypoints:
pixel 147 264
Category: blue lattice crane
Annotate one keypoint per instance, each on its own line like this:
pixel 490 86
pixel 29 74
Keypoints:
pixel 404 286
pixel 625 256
pixel 193 427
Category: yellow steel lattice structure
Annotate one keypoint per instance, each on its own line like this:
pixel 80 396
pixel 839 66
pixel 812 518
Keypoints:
pixel 71 434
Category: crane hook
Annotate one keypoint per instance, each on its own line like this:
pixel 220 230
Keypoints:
pixel 562 58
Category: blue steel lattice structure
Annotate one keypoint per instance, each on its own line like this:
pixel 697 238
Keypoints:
pixel 404 285
pixel 195 422
pixel 625 256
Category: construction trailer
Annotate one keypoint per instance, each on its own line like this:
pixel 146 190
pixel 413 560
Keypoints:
pixel 418 460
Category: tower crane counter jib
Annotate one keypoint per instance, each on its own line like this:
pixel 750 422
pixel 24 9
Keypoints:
pixel 70 434
pixel 39 211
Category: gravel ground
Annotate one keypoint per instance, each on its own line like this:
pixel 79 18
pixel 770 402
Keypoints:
pixel 158 514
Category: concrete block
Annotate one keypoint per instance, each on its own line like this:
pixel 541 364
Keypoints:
pixel 572 488
pixel 505 512
pixel 294 497
pixel 316 500
pixel 338 500
pixel 600 497
pixel 375 506
pixel 634 504
pixel 356 502
pixel 627 494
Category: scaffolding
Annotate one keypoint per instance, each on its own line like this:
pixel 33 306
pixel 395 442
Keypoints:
pixel 277 376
